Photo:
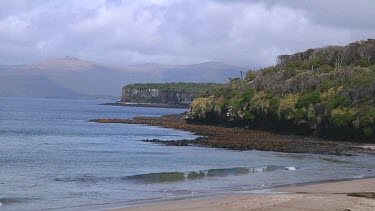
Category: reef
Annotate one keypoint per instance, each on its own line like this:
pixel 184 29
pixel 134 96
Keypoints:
pixel 214 136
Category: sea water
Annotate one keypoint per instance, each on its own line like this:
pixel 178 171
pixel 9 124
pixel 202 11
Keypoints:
pixel 51 158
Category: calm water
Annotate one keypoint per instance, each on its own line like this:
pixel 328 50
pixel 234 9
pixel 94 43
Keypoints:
pixel 51 158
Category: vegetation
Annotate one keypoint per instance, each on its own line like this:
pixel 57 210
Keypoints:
pixel 328 91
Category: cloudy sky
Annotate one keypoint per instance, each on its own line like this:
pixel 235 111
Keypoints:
pixel 125 32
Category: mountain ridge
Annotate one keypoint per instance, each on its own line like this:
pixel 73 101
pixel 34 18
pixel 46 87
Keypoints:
pixel 88 78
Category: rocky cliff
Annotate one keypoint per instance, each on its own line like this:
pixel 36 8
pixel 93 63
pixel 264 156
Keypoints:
pixel 325 91
pixel 164 93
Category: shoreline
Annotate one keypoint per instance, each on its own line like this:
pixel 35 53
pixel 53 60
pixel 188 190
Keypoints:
pixel 150 105
pixel 319 195
pixel 353 194
pixel 214 136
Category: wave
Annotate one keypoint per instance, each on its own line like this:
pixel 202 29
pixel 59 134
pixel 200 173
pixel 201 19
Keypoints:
pixel 158 177
pixel 333 160
pixel 161 177
pixel 291 168
pixel 193 175
pixel 7 201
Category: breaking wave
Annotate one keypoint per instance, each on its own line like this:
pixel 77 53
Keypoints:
pixel 176 176
pixel 193 175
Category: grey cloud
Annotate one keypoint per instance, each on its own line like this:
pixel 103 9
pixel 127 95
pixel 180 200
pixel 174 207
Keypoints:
pixel 337 13
pixel 124 32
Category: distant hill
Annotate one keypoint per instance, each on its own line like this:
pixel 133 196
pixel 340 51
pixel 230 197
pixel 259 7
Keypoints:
pixel 75 78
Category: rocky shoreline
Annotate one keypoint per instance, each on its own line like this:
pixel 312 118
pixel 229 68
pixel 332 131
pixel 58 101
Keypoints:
pixel 242 139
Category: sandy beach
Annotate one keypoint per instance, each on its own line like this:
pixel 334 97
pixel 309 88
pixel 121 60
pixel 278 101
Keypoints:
pixel 323 196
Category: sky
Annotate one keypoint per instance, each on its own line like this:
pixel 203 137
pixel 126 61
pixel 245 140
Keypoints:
pixel 248 33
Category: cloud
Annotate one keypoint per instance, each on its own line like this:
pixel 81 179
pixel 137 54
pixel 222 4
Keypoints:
pixel 125 32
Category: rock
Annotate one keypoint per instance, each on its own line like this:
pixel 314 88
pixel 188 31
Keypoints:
pixel 235 138
pixel 163 93
pixel 370 195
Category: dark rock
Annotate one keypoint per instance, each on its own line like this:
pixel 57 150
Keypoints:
pixel 370 195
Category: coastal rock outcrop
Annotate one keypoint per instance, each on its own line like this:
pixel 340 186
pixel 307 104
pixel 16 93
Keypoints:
pixel 164 93
pixel 327 91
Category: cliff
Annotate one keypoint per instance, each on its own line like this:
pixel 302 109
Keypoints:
pixel 327 91
pixel 164 93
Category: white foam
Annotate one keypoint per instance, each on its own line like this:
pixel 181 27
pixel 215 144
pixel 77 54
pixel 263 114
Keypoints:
pixel 0 204
pixel 291 168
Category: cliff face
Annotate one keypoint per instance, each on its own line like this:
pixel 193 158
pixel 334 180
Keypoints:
pixel 168 93
pixel 145 95
pixel 326 91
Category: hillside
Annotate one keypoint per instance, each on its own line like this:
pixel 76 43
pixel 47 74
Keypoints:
pixel 75 78
pixel 326 91
pixel 164 93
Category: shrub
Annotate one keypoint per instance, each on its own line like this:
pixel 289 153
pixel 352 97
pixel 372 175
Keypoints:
pixel 286 113
pixel 251 75
pixel 308 99
pixel 300 114
pixel 327 84
pixel 368 132
pixel 249 116
pixel 241 99
pixel 336 102
pixel 363 63
pixel 288 73
pixel 340 118
pixel 324 69
pixel 367 119
pixel 317 62
pixel 200 106
pixel 273 106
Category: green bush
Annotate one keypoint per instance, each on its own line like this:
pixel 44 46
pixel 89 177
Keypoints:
pixel 363 63
pixel 368 132
pixel 247 95
pixel 341 119
pixel 273 105
pixel 327 84
pixel 250 75
pixel 300 114
pixel 336 102
pixel 239 100
pixel 249 116
pixel 317 62
pixel 308 99
pixel 288 73
pixel 230 95
pixel 324 69
pixel 286 113
pixel 367 119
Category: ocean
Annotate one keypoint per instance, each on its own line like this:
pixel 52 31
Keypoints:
pixel 51 158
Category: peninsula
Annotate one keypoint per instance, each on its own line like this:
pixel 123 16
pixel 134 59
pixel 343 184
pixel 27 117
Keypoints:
pixel 177 95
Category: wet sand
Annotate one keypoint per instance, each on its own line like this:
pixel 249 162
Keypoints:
pixel 324 196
